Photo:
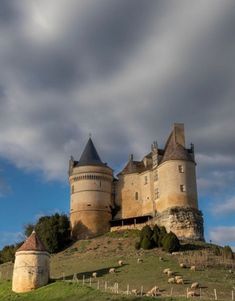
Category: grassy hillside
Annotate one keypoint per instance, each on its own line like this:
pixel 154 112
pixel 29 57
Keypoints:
pixel 100 254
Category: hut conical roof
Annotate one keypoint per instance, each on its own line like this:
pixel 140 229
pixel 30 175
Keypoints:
pixel 33 243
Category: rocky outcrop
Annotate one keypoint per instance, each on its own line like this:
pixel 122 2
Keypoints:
pixel 185 222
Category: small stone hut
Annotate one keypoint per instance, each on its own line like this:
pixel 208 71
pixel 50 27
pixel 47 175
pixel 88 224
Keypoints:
pixel 31 268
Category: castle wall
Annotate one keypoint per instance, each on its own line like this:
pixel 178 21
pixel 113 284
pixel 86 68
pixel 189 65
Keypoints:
pixel 31 271
pixel 128 195
pixel 146 180
pixel 90 203
pixel 169 184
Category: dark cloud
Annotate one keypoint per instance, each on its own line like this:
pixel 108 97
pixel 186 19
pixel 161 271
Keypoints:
pixel 122 70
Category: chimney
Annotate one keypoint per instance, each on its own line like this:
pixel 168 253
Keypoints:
pixel 179 133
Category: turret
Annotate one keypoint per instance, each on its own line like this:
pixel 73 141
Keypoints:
pixel 31 267
pixel 176 189
pixel 176 173
pixel 91 194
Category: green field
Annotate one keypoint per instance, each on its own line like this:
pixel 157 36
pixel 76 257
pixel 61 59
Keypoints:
pixel 100 254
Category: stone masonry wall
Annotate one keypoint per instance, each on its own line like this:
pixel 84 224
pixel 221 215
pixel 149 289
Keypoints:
pixel 186 223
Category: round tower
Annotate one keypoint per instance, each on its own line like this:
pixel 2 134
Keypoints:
pixel 31 267
pixel 91 191
pixel 177 203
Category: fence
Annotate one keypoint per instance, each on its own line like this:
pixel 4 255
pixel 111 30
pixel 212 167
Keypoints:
pixel 116 288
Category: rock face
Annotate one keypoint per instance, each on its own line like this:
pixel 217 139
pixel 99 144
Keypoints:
pixel 31 267
pixel 184 222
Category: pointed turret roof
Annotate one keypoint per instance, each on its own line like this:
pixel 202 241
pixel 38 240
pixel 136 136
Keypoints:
pixel 90 155
pixel 33 243
pixel 174 150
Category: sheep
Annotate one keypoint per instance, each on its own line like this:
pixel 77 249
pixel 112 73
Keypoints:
pixel 135 291
pixel 180 281
pixel 139 260
pixel 178 277
pixel 193 268
pixel 166 271
pixel 112 270
pixel 94 275
pixel 171 280
pixel 170 273
pixel 191 294
pixel 120 263
pixel 182 265
pixel 153 292
pixel 195 285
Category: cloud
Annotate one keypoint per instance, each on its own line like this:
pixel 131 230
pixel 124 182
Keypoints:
pixel 222 234
pixel 225 207
pixel 122 70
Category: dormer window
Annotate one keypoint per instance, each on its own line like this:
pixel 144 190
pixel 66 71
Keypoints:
pixel 182 188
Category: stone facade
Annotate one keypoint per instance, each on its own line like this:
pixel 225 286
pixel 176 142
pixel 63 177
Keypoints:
pixel 31 267
pixel 162 186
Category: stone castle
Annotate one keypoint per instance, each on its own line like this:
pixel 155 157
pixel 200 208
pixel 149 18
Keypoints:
pixel 161 189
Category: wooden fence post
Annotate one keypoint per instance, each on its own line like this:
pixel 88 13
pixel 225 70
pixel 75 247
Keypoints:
pixel 141 290
pixel 215 292
pixel 232 295
pixel 83 279
pixel 127 289
pixel 105 286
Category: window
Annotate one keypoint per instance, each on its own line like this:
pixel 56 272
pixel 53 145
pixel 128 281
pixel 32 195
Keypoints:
pixel 181 169
pixel 136 196
pixel 155 175
pixel 146 180
pixel 182 188
pixel 156 193
pixel 72 189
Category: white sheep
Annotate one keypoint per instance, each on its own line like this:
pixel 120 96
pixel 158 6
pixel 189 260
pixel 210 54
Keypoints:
pixel 112 270
pixel 171 280
pixel 120 263
pixel 153 292
pixel 170 273
pixel 182 265
pixel 180 281
pixel 191 294
pixel 165 271
pixel 94 275
pixel 135 291
pixel 178 277
pixel 139 260
pixel 195 285
pixel 193 268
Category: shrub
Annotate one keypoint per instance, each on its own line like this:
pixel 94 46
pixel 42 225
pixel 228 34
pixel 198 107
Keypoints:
pixel 146 231
pixel 146 243
pixel 155 236
pixel 137 245
pixel 162 235
pixel 53 230
pixel 227 252
pixel 217 251
pixel 171 243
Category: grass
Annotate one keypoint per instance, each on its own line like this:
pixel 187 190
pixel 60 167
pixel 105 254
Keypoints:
pixel 102 253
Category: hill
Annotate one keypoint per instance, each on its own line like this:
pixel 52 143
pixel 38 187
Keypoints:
pixel 84 257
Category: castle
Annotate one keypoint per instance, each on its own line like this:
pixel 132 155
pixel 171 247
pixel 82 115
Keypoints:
pixel 161 189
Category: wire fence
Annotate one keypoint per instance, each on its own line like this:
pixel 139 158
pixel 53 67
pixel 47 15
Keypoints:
pixel 126 289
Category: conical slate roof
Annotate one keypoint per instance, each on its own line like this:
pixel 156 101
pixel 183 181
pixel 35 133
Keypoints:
pixel 33 243
pixel 175 151
pixel 90 155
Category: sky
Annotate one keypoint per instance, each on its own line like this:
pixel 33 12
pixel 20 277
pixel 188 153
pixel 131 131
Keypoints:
pixel 124 71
